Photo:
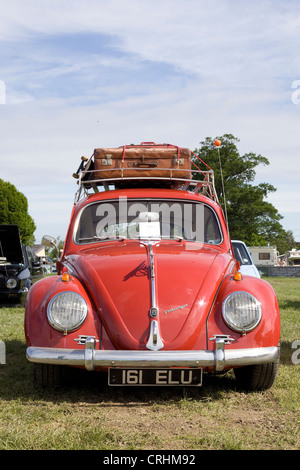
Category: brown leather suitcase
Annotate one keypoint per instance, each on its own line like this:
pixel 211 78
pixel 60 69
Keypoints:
pixel 147 160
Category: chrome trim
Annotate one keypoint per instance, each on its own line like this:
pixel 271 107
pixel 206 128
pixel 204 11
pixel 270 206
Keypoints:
pixel 233 326
pixel 225 338
pixel 154 342
pixel 153 309
pixel 82 339
pixel 52 321
pixel 91 358
pixel 89 354
pixel 11 280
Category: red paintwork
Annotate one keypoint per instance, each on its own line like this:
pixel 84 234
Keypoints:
pixel 113 278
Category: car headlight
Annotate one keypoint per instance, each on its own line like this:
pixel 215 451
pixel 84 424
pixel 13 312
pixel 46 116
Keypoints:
pixel 241 311
pixel 66 311
pixel 11 283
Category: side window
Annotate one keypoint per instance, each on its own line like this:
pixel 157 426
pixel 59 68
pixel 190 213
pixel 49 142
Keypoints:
pixel 241 254
pixel 211 229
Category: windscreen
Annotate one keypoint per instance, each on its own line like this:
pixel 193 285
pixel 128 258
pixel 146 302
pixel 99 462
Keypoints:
pixel 147 219
pixel 240 254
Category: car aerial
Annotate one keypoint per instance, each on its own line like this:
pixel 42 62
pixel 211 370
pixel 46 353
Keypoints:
pixel 19 267
pixel 243 255
pixel 148 289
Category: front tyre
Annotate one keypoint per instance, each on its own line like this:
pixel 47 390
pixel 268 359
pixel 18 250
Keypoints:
pixel 257 377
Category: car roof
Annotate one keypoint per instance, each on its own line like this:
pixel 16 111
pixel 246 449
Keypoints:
pixel 132 193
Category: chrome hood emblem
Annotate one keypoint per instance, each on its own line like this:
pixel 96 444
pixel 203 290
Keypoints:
pixel 180 307
pixel 154 342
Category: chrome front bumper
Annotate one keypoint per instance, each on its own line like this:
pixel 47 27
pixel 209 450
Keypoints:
pixel 90 358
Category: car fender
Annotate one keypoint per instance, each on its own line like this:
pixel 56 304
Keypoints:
pixel 267 332
pixel 38 330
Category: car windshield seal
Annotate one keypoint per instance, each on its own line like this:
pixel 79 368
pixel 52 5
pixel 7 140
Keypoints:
pixel 173 224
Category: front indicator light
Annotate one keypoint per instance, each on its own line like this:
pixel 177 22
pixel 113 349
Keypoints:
pixel 66 311
pixel 238 276
pixel 66 277
pixel 241 311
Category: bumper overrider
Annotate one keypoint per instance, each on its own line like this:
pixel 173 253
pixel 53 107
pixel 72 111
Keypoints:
pixel 219 359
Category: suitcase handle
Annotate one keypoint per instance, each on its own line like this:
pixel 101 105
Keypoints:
pixel 151 164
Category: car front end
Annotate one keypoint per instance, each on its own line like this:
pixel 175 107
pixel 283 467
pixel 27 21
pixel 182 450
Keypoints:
pixel 153 298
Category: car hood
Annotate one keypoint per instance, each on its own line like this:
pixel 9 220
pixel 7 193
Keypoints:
pixel 10 245
pixel 12 261
pixel 118 277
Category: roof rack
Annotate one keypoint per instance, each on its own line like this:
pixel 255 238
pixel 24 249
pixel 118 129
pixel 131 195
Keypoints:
pixel 194 180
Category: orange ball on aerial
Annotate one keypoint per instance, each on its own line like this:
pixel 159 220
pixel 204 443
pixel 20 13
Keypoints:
pixel 217 143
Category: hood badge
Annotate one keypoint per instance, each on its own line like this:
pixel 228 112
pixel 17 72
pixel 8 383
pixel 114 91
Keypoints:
pixel 180 307
pixel 153 312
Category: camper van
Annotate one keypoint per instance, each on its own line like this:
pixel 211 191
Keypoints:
pixel 264 255
pixel 293 257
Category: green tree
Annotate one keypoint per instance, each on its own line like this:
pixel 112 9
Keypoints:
pixel 14 210
pixel 251 217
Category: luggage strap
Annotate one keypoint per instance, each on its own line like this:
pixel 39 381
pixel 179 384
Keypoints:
pixel 150 144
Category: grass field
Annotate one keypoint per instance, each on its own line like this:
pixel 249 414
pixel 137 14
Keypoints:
pixel 90 415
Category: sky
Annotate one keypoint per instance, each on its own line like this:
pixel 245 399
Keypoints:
pixel 81 74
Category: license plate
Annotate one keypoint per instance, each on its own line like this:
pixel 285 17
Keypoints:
pixel 153 377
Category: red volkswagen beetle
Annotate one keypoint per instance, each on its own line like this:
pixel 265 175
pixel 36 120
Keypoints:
pixel 148 289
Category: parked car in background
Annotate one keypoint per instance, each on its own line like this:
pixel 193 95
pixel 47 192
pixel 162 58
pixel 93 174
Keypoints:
pixel 19 268
pixel 243 255
pixel 148 289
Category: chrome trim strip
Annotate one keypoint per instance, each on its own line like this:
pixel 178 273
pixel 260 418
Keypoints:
pixel 91 358
pixel 154 308
pixel 89 353
pixel 82 339
pixel 152 276
pixel 154 342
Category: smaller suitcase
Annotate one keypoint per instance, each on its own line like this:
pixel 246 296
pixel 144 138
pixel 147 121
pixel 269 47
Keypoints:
pixel 147 160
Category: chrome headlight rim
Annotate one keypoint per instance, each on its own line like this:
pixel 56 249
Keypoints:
pixel 11 283
pixel 242 328
pixel 64 327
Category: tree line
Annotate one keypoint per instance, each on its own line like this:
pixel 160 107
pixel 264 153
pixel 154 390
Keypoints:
pixel 14 211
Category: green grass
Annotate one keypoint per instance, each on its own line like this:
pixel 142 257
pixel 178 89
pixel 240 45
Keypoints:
pixel 89 415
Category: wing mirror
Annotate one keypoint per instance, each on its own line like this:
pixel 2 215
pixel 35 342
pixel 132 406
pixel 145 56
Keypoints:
pixel 49 241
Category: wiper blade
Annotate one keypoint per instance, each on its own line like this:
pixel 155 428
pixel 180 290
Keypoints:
pixel 175 237
pixel 102 238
